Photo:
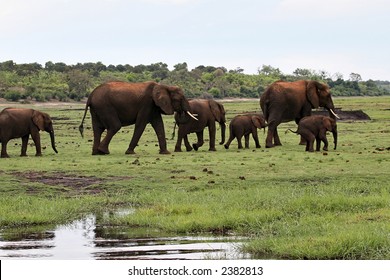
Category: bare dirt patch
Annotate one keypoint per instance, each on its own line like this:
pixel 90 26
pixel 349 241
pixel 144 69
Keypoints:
pixel 72 181
pixel 347 115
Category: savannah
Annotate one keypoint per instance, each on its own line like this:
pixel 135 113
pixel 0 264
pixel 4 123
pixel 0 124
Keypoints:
pixel 290 204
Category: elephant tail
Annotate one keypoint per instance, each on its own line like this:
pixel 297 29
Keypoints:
pixel 174 130
pixel 296 132
pixel 81 127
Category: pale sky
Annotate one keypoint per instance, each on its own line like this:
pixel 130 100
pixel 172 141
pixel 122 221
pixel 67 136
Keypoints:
pixel 341 36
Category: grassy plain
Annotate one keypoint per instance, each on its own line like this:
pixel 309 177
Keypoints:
pixel 290 204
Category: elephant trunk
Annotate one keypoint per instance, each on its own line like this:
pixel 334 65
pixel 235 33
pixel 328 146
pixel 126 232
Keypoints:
pixel 223 132
pixel 334 132
pixel 53 143
pixel 174 131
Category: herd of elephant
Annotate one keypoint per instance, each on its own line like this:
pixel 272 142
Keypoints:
pixel 116 104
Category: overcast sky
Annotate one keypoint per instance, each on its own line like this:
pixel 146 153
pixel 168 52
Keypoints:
pixel 342 36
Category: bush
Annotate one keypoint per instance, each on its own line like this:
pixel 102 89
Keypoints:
pixel 13 96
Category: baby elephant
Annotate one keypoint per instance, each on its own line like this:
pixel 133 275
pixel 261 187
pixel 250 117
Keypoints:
pixel 314 128
pixel 243 125
pixel 20 123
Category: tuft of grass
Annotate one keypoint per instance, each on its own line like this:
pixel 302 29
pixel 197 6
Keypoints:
pixel 337 242
pixel 25 210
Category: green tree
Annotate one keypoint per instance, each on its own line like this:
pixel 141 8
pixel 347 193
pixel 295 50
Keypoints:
pixel 7 66
pixel 355 77
pixel 268 70
pixel 78 83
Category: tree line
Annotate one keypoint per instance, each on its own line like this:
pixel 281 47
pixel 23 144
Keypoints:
pixel 33 81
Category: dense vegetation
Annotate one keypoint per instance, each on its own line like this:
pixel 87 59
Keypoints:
pixel 32 81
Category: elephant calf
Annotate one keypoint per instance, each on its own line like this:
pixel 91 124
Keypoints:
pixel 314 128
pixel 20 123
pixel 244 125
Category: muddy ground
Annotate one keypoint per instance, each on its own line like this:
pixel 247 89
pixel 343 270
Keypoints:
pixel 68 182
pixel 350 115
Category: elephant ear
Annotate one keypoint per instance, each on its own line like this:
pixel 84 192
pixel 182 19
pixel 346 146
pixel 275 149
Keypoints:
pixel 217 110
pixel 256 121
pixel 38 120
pixel 162 98
pixel 312 93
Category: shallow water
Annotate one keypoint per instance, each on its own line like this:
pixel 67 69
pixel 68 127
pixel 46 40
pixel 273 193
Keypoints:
pixel 86 239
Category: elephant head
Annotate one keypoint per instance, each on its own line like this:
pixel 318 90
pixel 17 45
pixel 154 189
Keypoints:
pixel 44 123
pixel 171 99
pixel 331 125
pixel 318 95
pixel 258 121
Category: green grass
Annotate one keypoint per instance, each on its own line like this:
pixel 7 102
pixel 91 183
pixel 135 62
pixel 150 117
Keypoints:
pixel 290 204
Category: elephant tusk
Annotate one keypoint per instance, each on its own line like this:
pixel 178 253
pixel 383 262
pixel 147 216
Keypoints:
pixel 192 116
pixel 334 113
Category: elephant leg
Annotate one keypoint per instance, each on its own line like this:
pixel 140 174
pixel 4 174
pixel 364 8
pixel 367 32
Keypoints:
pixel 307 146
pixel 97 134
pixel 138 130
pixel 246 141
pixel 24 145
pixel 256 137
pixel 276 138
pixel 239 141
pixel 212 130
pixel 200 142
pixel 158 126
pixel 322 137
pixel 179 139
pixel 98 130
pixel 4 149
pixel 111 131
pixel 187 143
pixel 182 136
pixel 272 134
pixel 318 143
pixel 310 141
pixel 37 141
pixel 231 138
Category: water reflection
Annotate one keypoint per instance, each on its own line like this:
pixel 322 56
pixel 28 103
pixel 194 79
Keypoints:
pixel 86 239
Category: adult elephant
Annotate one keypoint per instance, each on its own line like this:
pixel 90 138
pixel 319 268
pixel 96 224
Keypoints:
pixel 20 123
pixel 287 101
pixel 117 104
pixel 208 112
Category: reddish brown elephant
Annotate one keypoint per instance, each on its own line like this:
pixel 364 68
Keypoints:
pixel 117 104
pixel 314 128
pixel 21 123
pixel 208 112
pixel 244 125
pixel 287 101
